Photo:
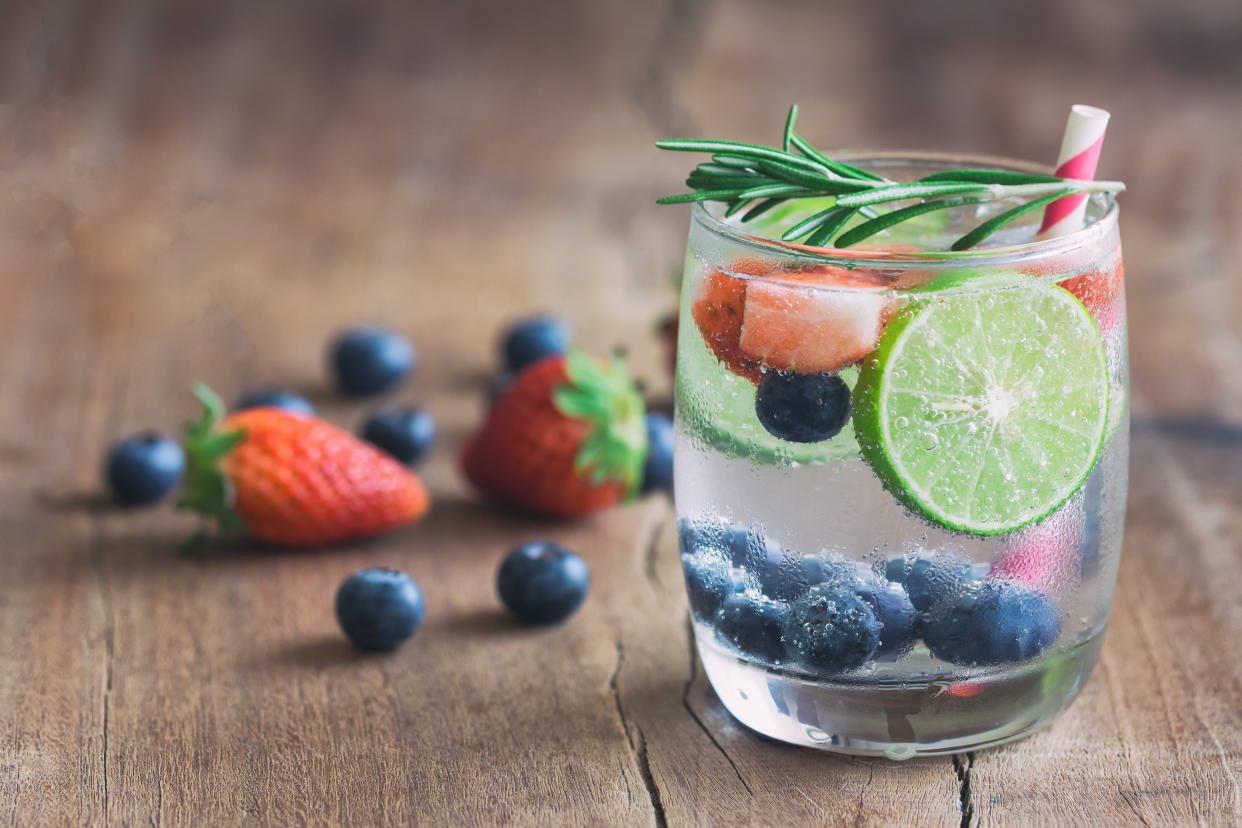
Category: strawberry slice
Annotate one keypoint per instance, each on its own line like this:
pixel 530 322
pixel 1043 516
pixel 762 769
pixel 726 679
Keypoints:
pixel 1101 292
pixel 717 309
pixel 793 323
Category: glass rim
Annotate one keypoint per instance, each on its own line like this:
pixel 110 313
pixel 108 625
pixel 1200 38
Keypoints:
pixel 1090 234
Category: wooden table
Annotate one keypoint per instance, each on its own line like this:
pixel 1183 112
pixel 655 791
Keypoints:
pixel 209 190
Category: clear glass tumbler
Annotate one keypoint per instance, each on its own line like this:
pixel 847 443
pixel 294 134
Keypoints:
pixel 901 472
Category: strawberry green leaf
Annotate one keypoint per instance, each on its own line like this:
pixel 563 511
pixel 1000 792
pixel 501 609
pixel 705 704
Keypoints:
pixel 206 489
pixel 604 396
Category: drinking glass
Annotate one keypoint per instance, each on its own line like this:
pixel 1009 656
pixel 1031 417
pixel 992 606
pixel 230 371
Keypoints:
pixel 901 472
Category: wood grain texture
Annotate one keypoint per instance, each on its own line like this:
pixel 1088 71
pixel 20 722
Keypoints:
pixel 207 191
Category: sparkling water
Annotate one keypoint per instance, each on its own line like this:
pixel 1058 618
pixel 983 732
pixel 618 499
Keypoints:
pixel 765 522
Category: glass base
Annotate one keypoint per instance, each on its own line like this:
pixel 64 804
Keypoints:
pixel 899 719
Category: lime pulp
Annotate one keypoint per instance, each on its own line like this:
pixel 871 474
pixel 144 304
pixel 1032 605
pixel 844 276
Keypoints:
pixel 984 412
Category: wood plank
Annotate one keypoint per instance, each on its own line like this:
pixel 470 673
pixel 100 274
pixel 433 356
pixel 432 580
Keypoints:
pixel 208 192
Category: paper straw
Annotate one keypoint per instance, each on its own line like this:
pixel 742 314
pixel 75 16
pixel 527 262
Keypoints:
pixel 1080 152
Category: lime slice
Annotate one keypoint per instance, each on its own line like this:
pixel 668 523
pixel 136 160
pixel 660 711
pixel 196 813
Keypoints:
pixel 984 412
pixel 717 408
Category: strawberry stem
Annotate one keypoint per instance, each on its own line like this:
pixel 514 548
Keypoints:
pixel 207 490
pixel 604 396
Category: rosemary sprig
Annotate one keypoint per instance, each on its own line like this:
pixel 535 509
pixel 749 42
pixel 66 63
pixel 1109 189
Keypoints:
pixel 756 178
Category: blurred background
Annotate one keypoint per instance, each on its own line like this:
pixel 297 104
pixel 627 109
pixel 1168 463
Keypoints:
pixel 209 189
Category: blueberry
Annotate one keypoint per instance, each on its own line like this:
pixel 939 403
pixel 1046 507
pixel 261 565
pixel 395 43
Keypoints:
pixel 995 623
pixel 275 398
pixel 530 340
pixel 369 360
pixel 717 533
pixel 893 611
pixel 830 629
pixel 658 467
pixel 930 578
pixel 379 608
pixel 542 582
pixel 802 408
pixel 405 433
pixel 143 468
pixel 709 580
pixel 753 625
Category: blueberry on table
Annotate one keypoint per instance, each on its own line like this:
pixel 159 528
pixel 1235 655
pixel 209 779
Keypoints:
pixel 405 433
pixel 752 624
pixel 275 398
pixel 379 608
pixel 658 467
pixel 542 582
pixel 369 360
pixel 143 468
pixel 996 623
pixel 802 408
pixel 830 629
pixel 529 340
pixel 929 578
pixel 893 611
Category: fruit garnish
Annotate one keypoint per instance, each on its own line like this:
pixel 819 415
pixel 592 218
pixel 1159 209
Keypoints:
pixel 406 434
pixel 814 320
pixel 716 408
pixel 567 438
pixel 802 408
pixel 274 397
pixel 658 467
pixel 985 412
pixel 757 178
pixel 289 479
pixel 718 309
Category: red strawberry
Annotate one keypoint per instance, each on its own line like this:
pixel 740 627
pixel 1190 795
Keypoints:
pixel 566 439
pixel 293 480
pixel 1101 292
pixel 719 302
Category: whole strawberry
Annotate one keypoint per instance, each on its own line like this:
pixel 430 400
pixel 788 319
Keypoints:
pixel 567 438
pixel 290 479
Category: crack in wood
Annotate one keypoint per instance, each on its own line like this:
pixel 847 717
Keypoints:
pixel 1125 797
pixel 639 748
pixel 652 552
pixel 685 702
pixel 962 765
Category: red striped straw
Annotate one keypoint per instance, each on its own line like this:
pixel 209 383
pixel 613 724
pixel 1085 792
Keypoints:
pixel 1080 152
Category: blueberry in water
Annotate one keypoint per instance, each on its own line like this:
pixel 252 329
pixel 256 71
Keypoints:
pixel 930 578
pixel 275 398
pixel 405 433
pixel 893 611
pixel 658 467
pixel 529 340
pixel 830 629
pixel 143 468
pixel 709 580
pixel 995 623
pixel 542 582
pixel 802 408
pixel 369 360
pixel 753 624
pixel 379 608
